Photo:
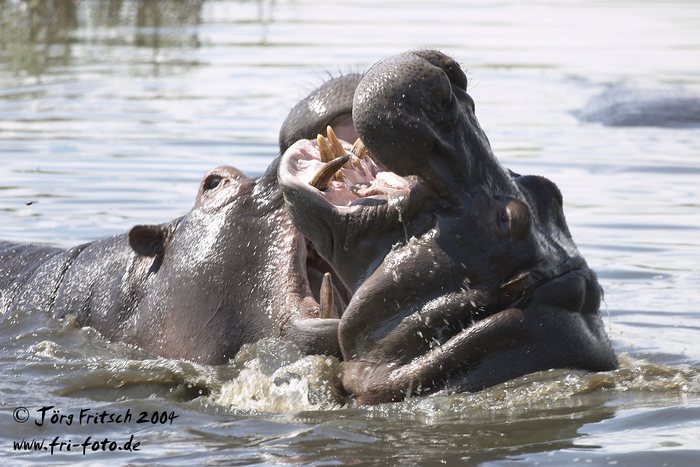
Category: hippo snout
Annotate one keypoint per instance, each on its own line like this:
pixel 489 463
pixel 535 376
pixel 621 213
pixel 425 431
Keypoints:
pixel 414 114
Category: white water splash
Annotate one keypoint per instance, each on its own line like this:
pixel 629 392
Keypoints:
pixel 275 378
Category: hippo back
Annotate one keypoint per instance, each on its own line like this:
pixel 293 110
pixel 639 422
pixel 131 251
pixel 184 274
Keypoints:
pixel 25 264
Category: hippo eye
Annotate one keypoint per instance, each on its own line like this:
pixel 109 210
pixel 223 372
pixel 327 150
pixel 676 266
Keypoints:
pixel 503 219
pixel 211 182
pixel 513 219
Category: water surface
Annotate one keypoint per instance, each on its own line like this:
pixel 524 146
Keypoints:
pixel 111 111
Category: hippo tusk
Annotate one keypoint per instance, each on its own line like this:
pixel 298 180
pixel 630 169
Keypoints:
pixel 517 285
pixel 326 297
pixel 326 173
pixel 359 151
pixel 324 149
pixel 336 149
pixel 335 144
pixel 355 162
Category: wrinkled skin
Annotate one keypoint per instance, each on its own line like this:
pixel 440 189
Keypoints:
pixel 462 276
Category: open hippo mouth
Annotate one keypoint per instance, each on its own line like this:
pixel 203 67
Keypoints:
pixel 349 180
pixel 345 176
pixel 459 274
pixel 363 203
pixel 346 180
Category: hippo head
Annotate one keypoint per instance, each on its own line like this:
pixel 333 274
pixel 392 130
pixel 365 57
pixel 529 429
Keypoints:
pixel 231 271
pixel 461 274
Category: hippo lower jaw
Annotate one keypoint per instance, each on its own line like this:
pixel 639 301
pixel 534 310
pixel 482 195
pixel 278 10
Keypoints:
pixel 322 294
pixel 315 300
pixel 538 331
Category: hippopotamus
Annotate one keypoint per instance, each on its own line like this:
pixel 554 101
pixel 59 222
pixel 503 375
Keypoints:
pixel 620 106
pixel 462 274
pixel 386 233
pixel 232 270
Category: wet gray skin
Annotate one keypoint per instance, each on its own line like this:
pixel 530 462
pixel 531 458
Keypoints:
pixel 464 275
pixel 231 271
pixel 460 254
pixel 620 106
pixel 329 104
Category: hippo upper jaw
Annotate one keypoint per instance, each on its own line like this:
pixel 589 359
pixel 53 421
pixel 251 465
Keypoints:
pixel 414 113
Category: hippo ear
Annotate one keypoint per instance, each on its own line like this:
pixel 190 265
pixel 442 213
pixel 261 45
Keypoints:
pixel 149 240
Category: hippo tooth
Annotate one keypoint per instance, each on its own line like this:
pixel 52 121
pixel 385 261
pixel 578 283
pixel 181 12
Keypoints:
pixel 336 147
pixel 324 175
pixel 326 297
pixel 359 149
pixel 324 149
pixel 517 285
pixel 355 161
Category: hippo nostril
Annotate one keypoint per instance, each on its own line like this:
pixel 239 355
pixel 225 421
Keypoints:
pixel 447 64
pixel 443 90
pixel 456 75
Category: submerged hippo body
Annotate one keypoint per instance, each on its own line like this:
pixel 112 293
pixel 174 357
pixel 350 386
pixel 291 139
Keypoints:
pixel 462 274
pixel 619 106
pixel 228 272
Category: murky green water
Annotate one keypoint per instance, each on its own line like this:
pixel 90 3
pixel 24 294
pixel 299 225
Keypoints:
pixel 111 111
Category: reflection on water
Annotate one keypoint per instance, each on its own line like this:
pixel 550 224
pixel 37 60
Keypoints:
pixel 110 112
pixel 38 35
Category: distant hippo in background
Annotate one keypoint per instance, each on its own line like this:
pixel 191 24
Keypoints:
pixel 462 274
pixel 620 106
